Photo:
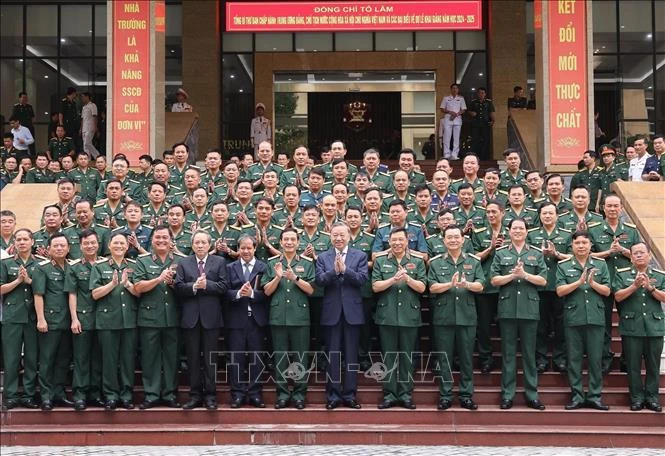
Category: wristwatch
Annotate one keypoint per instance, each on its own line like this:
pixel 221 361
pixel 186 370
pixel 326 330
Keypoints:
pixel 297 279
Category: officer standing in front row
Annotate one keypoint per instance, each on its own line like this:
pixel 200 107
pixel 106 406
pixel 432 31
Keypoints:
pixel 639 291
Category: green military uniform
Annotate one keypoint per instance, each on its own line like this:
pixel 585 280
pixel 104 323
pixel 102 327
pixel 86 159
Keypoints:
pixel 551 306
pixel 353 170
pixel 143 235
pixel 363 242
pixel 152 216
pixel 88 182
pixel 398 316
pixel 591 180
pixel 87 378
pixel 534 202
pixel 6 244
pixel 476 214
pixel 277 198
pixel 350 186
pixel 183 241
pixel 563 206
pixel 229 235
pixel 69 210
pixel 642 326
pixel 142 178
pixel 291 176
pixel 255 172
pixel 130 187
pixel 54 345
pixel 478 183
pixel 530 216
pixel 220 193
pixel 607 176
pixel 6 153
pixel 383 181
pixel 507 180
pixel 158 322
pixel 24 113
pixel 19 331
pixel 9 176
pixel 177 175
pixel 601 240
pixel 409 200
pixel 481 129
pixel 486 303
pixel 39 176
pixel 454 320
pixel 308 197
pixel 289 323
pixel 415 178
pixel 236 207
pixel 115 322
pixel 481 197
pixel 104 213
pixel 273 232
pixel 281 217
pixel 569 220
pixel 414 234
pixel 518 313
pixel 41 238
pixel 193 222
pixel 382 218
pixel 584 315
pixel 435 245
pixel 59 148
pixel 427 222
pixel 73 232
pixel 217 179
pixel 71 119
pixel 172 194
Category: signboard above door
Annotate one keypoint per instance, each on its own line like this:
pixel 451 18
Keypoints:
pixel 353 16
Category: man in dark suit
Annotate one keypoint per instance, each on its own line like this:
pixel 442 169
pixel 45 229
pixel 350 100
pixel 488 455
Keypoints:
pixel 245 317
pixel 342 271
pixel 201 282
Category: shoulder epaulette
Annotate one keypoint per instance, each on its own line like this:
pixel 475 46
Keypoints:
pixel 530 209
pixel 567 259
pixel 597 258
pixel 134 181
pixel 369 234
pixel 146 205
pixel 307 258
pixel 533 229
pixel 257 193
pixel 277 226
pixel 274 257
pixel 383 225
pixel 414 224
pixel 479 190
pixel 118 228
pixel 141 255
pixel 538 200
pixel 417 254
pixel 435 257
pixel 130 260
pixel 480 208
pixel 383 174
pixel 45 262
pixel 187 231
pixel 324 233
pixel 249 225
pixel 632 225
pixel 565 230
pixel 474 256
pixel 382 253
pixel 503 192
pixel 537 248
pixel 503 247
pixel 418 172
pixel 430 237
pixel 456 180
pixel 595 213
pixel 657 270
pixel 479 230
pixel 625 269
pixel 564 213
pixel 593 224
pixel 180 254
pixel 99 204
pixel 73 262
pixel 101 260
pixel 233 227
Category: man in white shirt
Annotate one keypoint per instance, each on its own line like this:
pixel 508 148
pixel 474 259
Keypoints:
pixel 637 164
pixel 22 136
pixel 88 124
pixel 452 107
pixel 181 105
pixel 260 129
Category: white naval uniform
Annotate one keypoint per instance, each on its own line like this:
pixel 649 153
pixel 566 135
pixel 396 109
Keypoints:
pixel 451 127
pixel 181 107
pixel 260 131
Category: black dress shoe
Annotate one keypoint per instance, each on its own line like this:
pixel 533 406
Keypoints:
pixel 145 405
pixel 64 402
pixel 597 405
pixel 506 404
pixel 79 405
pixel 486 369
pixel 468 404
pixel 11 404
pixel 541 368
pixel 96 402
pixel 192 403
pixel 636 406
pixel 409 404
pixel 47 406
pixel 574 405
pixel 654 406
pixel 237 402
pixel 280 404
pixel 110 405
pixel 386 404
pixel 256 402
pixel 354 404
pixel 172 403
pixel 299 405
pixel 127 405
pixel 30 404
pixel 211 404
pixel 444 404
pixel 535 404
pixel 332 405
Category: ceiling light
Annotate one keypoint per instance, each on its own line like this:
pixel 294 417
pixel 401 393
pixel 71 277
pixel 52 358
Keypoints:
pixel 650 87
pixel 240 90
pixel 62 40
pixel 46 76
pixel 233 76
pixel 480 74
pixel 473 89
pixel 649 35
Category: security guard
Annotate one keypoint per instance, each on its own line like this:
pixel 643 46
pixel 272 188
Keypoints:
pixel 158 320
pixel 60 145
pixel 53 322
pixel 399 278
pixel 555 244
pixel 588 176
pixel 19 330
pixel 86 381
pixel 454 278
pixel 481 109
pixel 519 270
pixel 639 291
pixel 288 280
pixel 582 281
pixel 115 322
pixel 398 213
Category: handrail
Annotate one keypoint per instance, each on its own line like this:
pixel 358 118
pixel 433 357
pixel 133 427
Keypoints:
pixel 516 142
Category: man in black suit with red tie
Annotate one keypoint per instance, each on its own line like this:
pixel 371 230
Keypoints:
pixel 201 283
pixel 245 317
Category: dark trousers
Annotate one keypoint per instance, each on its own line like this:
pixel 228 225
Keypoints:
pixel 525 331
pixel 159 364
pixel 201 343
pixel 650 349
pixel 294 339
pixel 118 362
pixel 579 340
pixel 55 352
pixel 245 346
pixel 368 330
pixel 397 345
pixel 342 349
pixel 607 354
pixel 17 337
pixel 481 134
pixel 87 376
pixel 551 322
pixel 486 306
pixel 451 342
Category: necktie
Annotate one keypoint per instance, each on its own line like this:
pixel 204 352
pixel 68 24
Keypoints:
pixel 201 269
pixel 246 271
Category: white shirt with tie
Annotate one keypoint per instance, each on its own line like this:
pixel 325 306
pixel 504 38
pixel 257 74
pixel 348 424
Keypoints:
pixel 247 269
pixel 201 265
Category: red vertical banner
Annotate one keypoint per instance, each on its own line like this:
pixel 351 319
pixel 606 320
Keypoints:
pixel 131 78
pixel 538 14
pixel 568 78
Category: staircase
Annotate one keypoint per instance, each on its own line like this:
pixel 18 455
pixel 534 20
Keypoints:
pixel 487 426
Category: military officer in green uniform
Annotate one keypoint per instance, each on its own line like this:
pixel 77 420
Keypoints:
pixel 611 239
pixel 454 279
pixel 554 186
pixel 555 244
pixel 270 190
pixel 115 321
pixel 288 281
pixel 241 207
pixel 338 152
pixel 435 242
pixel 110 212
pixel 298 174
pixel 224 235
pixel 181 239
pixel 138 235
pixel 610 173
pixel 481 110
pixel 180 165
pixel 372 215
pixel 199 215
pixel 85 221
pixel 86 380
pixel 69 115
pixel 639 291
pixel 40 174
pixel 154 211
pixel 513 175
pixel 158 318
pixel 60 145
pixel 131 189
pixel 53 322
pixel 255 171
pixel 52 217
pixel 519 271
pixel 19 329
pixel 589 176
pixel 398 213
pixel 290 215
pixel 580 217
pixel 582 281
pixel 423 214
pixel 535 196
pixel 407 163
pixel 490 189
pixel 399 278
pixel 7 228
pixel 266 234
pixel 485 241
pixel 517 208
pixel 467 215
pixel 86 178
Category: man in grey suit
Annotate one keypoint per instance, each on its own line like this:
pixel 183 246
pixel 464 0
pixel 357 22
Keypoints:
pixel 342 271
